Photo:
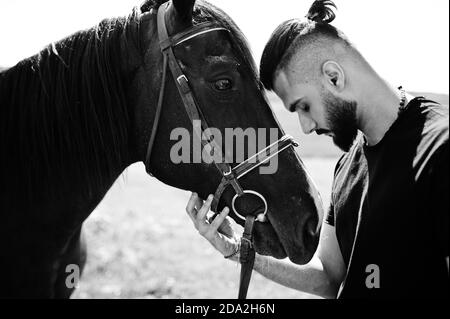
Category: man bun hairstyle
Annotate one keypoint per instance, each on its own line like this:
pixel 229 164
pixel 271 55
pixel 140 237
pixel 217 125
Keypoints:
pixel 295 33
pixel 322 11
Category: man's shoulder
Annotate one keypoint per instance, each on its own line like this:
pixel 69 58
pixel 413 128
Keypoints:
pixel 429 140
pixel 437 121
pixel 434 141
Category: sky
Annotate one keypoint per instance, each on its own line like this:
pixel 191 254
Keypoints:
pixel 406 41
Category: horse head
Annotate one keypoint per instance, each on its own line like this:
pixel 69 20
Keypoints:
pixel 222 76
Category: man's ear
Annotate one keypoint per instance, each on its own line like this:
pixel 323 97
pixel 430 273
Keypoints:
pixel 182 11
pixel 334 75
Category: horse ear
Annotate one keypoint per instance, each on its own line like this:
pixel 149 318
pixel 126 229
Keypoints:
pixel 184 10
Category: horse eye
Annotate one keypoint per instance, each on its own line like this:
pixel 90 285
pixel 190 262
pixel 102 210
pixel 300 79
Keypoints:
pixel 223 85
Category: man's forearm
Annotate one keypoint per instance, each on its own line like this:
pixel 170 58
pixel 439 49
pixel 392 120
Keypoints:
pixel 310 278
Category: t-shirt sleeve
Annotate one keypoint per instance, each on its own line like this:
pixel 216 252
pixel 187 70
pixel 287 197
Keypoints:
pixel 440 198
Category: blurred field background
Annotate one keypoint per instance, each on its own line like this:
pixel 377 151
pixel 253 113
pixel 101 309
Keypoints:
pixel 142 244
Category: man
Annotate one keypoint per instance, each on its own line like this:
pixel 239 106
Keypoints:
pixel 386 233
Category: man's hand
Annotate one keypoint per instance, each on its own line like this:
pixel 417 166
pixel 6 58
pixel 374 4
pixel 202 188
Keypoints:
pixel 219 231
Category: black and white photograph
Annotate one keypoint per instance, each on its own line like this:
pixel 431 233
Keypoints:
pixel 224 155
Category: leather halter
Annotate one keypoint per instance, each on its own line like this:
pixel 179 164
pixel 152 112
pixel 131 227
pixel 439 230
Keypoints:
pixel 230 176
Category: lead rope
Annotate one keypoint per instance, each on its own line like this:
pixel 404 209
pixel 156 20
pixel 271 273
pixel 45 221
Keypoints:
pixel 246 257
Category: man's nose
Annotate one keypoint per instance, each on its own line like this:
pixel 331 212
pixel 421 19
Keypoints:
pixel 307 124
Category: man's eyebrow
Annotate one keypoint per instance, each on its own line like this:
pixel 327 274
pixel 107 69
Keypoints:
pixel 293 106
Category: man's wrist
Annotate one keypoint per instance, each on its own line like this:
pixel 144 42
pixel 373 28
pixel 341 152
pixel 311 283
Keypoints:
pixel 234 255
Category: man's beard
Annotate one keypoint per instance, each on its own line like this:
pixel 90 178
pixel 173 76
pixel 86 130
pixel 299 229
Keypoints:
pixel 341 120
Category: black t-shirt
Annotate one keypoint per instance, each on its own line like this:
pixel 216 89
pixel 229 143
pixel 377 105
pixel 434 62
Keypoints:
pixel 390 208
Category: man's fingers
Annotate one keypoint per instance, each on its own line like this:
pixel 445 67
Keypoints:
pixel 198 213
pixel 219 219
pixel 190 207
pixel 201 215
pixel 198 203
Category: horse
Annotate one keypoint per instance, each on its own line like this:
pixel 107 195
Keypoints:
pixel 74 116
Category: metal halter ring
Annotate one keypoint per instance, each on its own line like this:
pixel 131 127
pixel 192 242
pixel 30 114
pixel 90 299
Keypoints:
pixel 252 193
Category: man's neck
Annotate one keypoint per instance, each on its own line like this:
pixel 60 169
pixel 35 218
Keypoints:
pixel 378 111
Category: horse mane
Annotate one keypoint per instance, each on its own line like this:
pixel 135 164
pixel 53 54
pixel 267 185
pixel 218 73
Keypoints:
pixel 64 111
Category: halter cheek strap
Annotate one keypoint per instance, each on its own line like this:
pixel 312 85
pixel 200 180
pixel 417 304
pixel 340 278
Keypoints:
pixel 166 44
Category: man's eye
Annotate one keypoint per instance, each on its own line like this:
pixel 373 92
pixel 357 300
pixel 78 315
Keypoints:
pixel 223 85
